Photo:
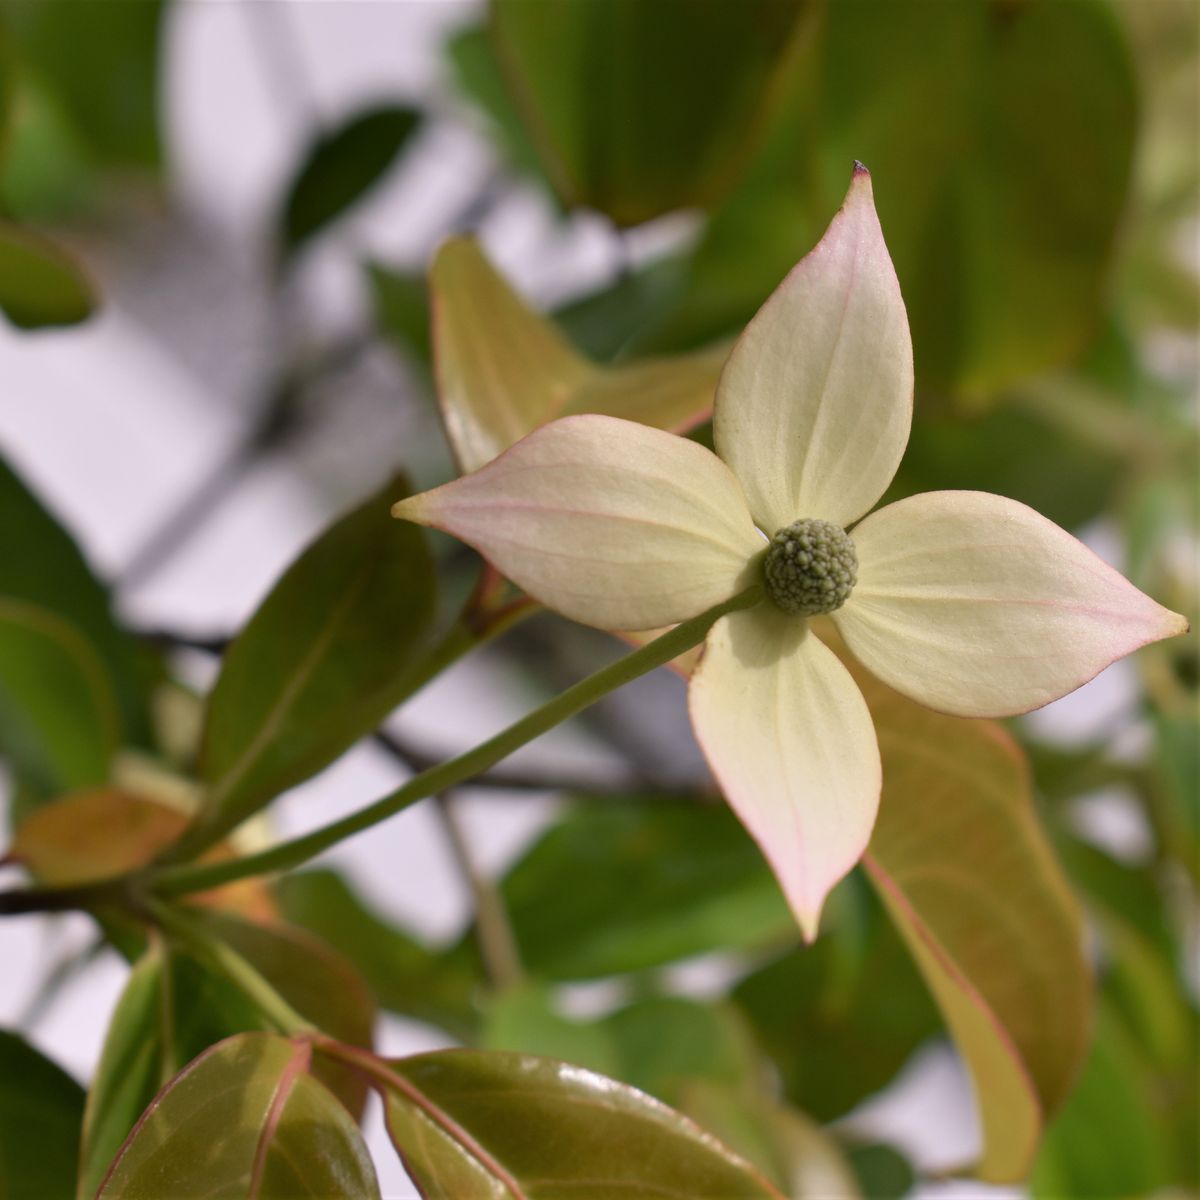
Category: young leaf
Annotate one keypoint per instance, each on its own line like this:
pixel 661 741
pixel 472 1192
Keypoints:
pixel 41 1107
pixel 502 369
pixel 968 877
pixel 405 976
pixel 623 886
pixel 341 167
pixel 244 1120
pixel 638 109
pixel 324 659
pixel 102 832
pixel 515 1127
pixel 41 284
pixel 58 716
pixel 173 1009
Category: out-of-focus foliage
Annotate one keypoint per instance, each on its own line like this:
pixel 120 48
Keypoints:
pixel 341 167
pixel 40 284
pixel 40 1110
pixel 638 109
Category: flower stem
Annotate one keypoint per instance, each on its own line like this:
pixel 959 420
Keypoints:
pixel 183 880
pixel 223 958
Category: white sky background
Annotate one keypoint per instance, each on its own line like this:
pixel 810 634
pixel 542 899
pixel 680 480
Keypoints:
pixel 116 421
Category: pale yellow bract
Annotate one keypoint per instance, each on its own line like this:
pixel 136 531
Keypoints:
pixel 966 602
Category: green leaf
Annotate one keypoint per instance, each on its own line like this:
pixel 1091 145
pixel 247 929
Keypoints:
pixel 514 1127
pixel 40 283
pixel 41 1107
pixel 58 717
pixel 100 64
pixel 1000 181
pixel 40 563
pixel 406 976
pixel 967 874
pixel 621 886
pixel 660 1045
pixel 341 167
pixel 245 1119
pixel 325 658
pixel 1108 1140
pixel 638 109
pixel 472 58
pixel 401 310
pixel 173 1009
pixel 792 1150
pixel 840 1018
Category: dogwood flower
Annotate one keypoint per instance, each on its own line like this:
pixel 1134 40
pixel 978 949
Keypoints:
pixel 966 602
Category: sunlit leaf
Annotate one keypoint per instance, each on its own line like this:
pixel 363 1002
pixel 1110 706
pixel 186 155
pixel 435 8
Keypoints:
pixel 245 1119
pixel 40 283
pixel 58 716
pixel 967 874
pixel 100 62
pixel 503 369
pixel 341 167
pixel 41 1107
pixel 103 832
pixel 324 659
pixel 637 109
pixel 406 976
pixel 514 1127
pixel 619 887
pixel 174 1008
pixel 790 1148
pixel 1000 179
pixel 40 563
pixel 661 1045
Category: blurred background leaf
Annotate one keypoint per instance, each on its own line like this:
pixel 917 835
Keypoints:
pixel 340 168
pixel 41 1108
pixel 41 284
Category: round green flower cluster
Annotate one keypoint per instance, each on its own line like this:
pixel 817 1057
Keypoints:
pixel 810 567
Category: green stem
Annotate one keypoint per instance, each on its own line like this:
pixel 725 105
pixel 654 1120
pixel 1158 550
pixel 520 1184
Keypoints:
pixel 223 958
pixel 182 880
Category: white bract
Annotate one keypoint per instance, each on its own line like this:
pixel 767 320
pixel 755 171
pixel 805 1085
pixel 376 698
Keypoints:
pixel 966 602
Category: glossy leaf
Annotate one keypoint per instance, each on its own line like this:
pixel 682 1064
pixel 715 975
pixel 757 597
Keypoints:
pixel 662 1044
pixel 624 886
pixel 173 1008
pixel 100 63
pixel 245 1119
pixel 58 716
pixel 637 109
pixel 514 1127
pixel 966 873
pixel 341 167
pixel 1000 199
pixel 503 370
pixel 40 283
pixel 791 1149
pixel 41 563
pixel 324 659
pixel 41 1107
pixel 405 976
